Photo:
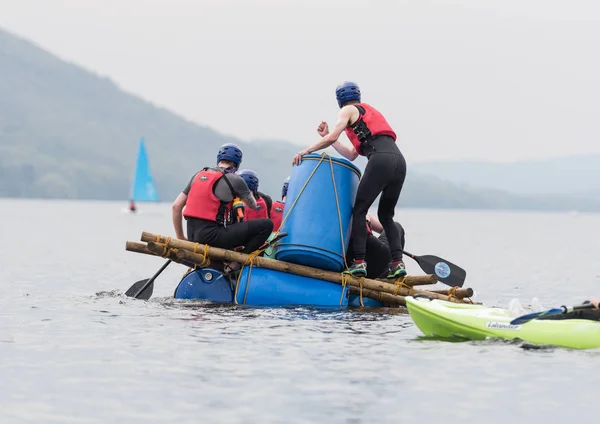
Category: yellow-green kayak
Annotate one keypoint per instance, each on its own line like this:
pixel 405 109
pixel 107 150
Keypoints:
pixel 477 322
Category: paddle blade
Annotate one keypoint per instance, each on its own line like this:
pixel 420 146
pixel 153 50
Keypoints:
pixel 445 271
pixel 145 294
pixel 528 317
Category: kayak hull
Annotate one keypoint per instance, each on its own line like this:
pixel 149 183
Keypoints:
pixel 478 322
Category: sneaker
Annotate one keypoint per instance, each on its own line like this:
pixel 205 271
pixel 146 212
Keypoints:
pixel 357 270
pixel 398 270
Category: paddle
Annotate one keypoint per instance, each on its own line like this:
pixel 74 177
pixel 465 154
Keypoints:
pixel 445 271
pixel 143 288
pixel 554 311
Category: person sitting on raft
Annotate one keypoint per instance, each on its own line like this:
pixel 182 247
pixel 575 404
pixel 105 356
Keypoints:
pixel 208 201
pixel 378 254
pixel 591 314
pixel 264 201
pixel 371 136
pixel 278 206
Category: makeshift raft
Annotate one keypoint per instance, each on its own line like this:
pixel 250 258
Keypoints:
pixel 305 267
pixel 270 282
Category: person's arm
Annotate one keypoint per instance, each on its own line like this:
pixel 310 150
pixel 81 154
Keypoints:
pixel 349 153
pixel 249 201
pixel 375 224
pixel 177 214
pixel 344 119
pixel 237 187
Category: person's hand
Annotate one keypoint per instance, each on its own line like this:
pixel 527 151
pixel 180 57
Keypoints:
pixel 323 129
pixel 298 157
pixel 181 237
pixel 595 301
pixel 238 209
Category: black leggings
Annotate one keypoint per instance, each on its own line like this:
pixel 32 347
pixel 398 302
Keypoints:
pixel 250 234
pixel 378 257
pixel 385 173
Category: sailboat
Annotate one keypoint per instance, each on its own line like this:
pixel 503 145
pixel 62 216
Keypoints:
pixel 143 188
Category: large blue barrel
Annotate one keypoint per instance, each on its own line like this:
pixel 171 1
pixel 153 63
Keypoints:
pixel 313 223
pixel 205 283
pixel 267 287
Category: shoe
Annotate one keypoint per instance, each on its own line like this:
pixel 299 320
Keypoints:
pixel 398 270
pixel 357 270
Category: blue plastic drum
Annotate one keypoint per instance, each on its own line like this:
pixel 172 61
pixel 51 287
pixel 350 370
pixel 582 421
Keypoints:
pixel 312 218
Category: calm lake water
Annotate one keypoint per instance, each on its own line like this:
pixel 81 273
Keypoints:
pixel 73 349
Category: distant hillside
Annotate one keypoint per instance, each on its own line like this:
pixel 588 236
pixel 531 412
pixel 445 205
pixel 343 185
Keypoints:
pixel 67 133
pixel 568 175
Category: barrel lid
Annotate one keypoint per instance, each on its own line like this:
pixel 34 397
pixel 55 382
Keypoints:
pixel 335 160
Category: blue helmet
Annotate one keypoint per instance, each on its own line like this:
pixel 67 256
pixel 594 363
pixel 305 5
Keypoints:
pixel 250 177
pixel 347 91
pixel 284 189
pixel 230 152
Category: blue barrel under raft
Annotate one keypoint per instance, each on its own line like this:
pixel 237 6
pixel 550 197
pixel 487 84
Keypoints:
pixel 263 287
pixel 313 222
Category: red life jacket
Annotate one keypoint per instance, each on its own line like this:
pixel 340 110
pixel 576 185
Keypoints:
pixel 370 123
pixel 277 214
pixel 202 202
pixel 250 214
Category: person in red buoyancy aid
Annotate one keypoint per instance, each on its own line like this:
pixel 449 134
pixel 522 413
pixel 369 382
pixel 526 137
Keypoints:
pixel 264 201
pixel 207 205
pixel 278 206
pixel 371 136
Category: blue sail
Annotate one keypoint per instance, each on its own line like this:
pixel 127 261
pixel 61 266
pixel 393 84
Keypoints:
pixel 143 189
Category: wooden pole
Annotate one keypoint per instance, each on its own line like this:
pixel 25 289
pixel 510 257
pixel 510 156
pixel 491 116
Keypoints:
pixel 187 247
pixel 381 296
pixel 461 293
pixel 416 280
pixel 133 246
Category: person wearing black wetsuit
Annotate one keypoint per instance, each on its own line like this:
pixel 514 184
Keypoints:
pixel 591 314
pixel 373 137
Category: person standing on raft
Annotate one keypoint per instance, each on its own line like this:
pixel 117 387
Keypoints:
pixel 373 137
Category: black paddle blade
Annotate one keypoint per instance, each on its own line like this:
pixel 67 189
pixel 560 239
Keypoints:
pixel 445 271
pixel 145 294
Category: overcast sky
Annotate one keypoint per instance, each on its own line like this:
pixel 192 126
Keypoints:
pixel 490 79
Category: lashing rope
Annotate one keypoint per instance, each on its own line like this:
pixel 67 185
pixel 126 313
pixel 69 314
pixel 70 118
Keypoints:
pixel 206 260
pixel 250 262
pixel 400 284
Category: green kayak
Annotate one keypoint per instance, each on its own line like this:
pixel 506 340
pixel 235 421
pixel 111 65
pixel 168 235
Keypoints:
pixel 478 322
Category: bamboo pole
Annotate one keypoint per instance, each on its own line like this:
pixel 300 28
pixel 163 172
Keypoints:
pixel 186 248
